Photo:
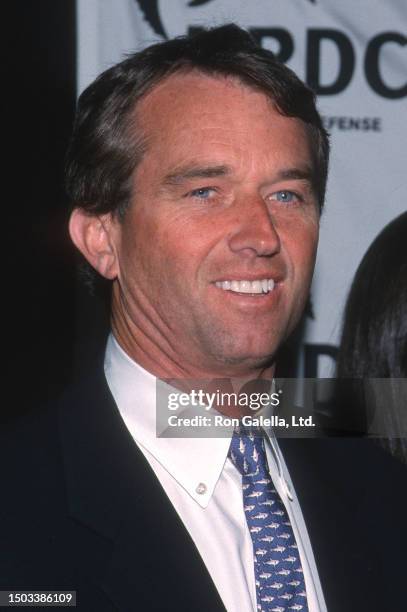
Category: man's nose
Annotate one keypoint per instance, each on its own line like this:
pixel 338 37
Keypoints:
pixel 254 233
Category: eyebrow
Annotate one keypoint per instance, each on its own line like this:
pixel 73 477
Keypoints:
pixel 195 171
pixel 303 174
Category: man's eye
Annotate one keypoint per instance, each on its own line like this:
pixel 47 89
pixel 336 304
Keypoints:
pixel 285 196
pixel 203 193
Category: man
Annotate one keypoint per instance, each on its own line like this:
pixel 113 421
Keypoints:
pixel 197 171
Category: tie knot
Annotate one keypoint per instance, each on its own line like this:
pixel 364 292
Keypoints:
pixel 248 453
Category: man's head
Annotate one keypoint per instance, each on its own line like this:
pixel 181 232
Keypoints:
pixel 198 169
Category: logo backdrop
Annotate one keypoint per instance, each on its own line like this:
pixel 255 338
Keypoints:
pixel 354 55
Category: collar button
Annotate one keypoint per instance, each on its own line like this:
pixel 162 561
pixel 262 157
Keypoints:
pixel 201 488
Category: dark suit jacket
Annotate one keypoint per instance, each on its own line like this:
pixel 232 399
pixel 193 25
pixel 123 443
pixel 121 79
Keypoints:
pixel 81 509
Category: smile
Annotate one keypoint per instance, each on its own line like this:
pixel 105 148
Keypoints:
pixel 245 286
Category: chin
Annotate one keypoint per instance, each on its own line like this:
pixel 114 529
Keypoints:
pixel 247 360
pixel 240 351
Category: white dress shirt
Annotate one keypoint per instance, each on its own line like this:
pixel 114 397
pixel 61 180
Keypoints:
pixel 205 488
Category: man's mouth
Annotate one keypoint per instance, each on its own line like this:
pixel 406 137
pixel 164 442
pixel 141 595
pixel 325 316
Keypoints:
pixel 262 286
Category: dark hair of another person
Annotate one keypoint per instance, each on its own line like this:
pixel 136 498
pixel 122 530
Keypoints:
pixel 373 350
pixel 374 337
pixel 107 143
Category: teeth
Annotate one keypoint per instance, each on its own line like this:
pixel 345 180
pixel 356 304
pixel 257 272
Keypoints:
pixel 245 286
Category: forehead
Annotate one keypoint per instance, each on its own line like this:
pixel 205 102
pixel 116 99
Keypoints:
pixel 199 94
pixel 195 114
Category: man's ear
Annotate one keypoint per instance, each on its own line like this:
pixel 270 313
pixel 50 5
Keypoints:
pixel 93 236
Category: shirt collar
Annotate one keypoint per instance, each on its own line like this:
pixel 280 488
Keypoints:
pixel 192 462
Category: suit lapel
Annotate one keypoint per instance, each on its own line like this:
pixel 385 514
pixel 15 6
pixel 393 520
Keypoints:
pixel 334 504
pixel 131 543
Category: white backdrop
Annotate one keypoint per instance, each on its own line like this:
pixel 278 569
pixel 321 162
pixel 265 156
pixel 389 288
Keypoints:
pixel 354 54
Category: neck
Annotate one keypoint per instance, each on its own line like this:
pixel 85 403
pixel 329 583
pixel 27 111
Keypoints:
pixel 155 354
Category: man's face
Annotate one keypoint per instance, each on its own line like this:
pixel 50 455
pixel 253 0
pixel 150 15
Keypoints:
pixel 217 249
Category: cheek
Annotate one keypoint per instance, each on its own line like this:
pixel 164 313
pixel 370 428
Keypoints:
pixel 307 246
pixel 162 263
pixel 186 244
pixel 301 248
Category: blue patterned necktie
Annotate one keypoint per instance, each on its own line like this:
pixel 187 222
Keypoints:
pixel 280 585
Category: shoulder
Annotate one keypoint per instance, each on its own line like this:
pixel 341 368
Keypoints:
pixel 353 496
pixel 35 523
